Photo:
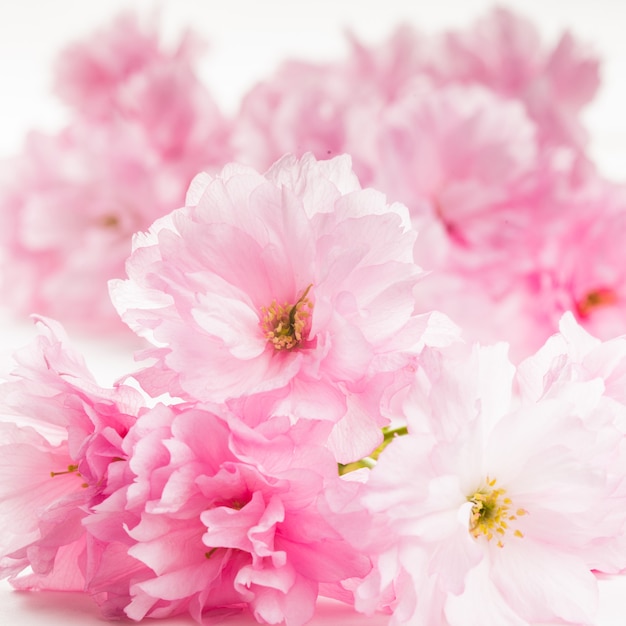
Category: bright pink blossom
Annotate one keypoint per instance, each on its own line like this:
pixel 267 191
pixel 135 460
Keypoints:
pixel 219 516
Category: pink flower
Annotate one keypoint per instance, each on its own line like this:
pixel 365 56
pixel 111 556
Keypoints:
pixel 477 133
pixel 124 71
pixel 301 109
pixel 220 516
pixel 507 506
pixel 504 51
pixel 571 357
pixel 297 282
pixel 488 202
pixel 572 354
pixel 580 265
pixel 457 154
pixel 56 466
pixel 306 107
pixel 144 125
pixel 68 215
pixel 92 74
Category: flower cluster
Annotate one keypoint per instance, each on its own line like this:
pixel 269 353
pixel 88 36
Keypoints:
pixel 285 335
pixel 312 416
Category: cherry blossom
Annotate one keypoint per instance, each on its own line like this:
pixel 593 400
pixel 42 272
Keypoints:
pixel 297 281
pixel 507 507
pixel 56 455
pixel 143 125
pixel 231 518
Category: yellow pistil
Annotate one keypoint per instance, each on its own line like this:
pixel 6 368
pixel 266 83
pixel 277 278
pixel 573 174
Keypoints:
pixel 492 513
pixel 284 325
pixel 594 299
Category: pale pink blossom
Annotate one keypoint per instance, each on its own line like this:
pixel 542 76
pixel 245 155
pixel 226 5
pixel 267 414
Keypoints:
pixel 297 282
pixel 505 52
pixel 300 109
pixel 124 71
pixel 55 463
pixel 220 516
pixel 567 256
pixel 68 214
pixel 486 199
pixel 144 125
pixel 573 356
pixel 316 107
pixel 478 132
pixel 502 51
pixel 506 508
pixel 92 74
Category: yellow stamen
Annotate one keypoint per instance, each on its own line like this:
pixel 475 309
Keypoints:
pixel 70 470
pixel 490 513
pixel 284 325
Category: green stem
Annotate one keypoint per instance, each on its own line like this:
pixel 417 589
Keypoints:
pixel 389 434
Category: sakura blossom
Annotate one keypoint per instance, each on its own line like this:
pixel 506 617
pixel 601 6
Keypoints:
pixel 296 282
pixel 507 507
pixel 233 518
pixel 302 109
pixel 502 52
pixel 564 279
pixel 478 132
pixel 142 126
pixel 415 152
pixel 573 355
pixel 56 453
pixel 505 51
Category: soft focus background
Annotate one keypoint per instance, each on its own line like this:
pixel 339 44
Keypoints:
pixel 247 40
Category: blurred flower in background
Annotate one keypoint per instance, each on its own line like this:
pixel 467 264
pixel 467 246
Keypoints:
pixel 142 125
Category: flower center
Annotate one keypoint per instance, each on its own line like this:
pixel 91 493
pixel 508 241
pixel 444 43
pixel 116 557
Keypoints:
pixel 594 299
pixel 491 513
pixel 284 325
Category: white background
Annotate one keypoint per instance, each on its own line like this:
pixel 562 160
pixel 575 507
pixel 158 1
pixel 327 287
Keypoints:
pixel 248 38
